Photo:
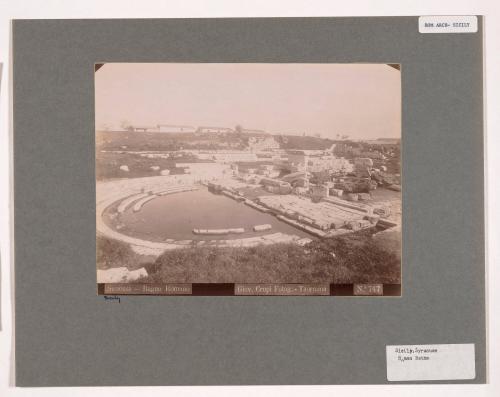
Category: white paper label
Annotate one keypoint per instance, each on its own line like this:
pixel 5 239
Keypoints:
pixel 430 362
pixel 447 24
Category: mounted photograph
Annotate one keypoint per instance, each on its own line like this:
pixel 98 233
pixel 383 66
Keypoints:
pixel 248 179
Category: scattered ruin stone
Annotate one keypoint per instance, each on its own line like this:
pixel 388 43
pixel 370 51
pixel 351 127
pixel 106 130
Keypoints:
pixel 120 275
pixel 260 228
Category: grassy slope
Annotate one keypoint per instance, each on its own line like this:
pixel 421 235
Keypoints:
pixel 113 253
pixel 304 142
pixel 354 258
pixel 108 165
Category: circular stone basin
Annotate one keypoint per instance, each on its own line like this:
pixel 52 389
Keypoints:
pixel 174 216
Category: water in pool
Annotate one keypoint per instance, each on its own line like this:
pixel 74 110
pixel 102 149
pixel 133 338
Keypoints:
pixel 176 215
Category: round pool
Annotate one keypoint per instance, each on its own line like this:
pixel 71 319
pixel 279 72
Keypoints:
pixel 174 216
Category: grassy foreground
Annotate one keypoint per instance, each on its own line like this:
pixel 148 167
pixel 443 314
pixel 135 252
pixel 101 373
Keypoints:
pixel 356 258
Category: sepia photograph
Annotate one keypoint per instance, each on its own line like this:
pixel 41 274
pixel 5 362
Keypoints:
pixel 248 179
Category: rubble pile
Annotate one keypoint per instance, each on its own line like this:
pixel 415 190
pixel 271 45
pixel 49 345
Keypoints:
pixel 323 216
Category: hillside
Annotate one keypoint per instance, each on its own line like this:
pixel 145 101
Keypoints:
pixel 141 141
pixel 144 141
pixel 304 142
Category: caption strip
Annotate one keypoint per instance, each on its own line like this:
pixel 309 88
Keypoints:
pixel 292 289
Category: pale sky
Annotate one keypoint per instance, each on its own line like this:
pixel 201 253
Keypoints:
pixel 359 100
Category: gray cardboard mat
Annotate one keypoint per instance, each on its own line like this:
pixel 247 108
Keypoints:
pixel 66 335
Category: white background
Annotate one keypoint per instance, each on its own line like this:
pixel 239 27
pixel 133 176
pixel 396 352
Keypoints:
pixel 256 8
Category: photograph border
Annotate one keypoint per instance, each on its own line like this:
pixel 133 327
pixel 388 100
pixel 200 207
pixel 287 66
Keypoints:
pixel 229 289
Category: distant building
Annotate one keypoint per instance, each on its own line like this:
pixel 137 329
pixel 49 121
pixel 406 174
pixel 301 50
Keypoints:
pixel 175 128
pixel 217 130
pixel 143 128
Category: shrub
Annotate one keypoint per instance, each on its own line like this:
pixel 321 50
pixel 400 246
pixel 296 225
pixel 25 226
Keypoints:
pixel 352 259
pixel 113 253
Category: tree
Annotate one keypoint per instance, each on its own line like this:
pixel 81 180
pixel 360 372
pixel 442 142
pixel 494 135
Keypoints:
pixel 126 125
pixel 238 129
pixel 321 177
